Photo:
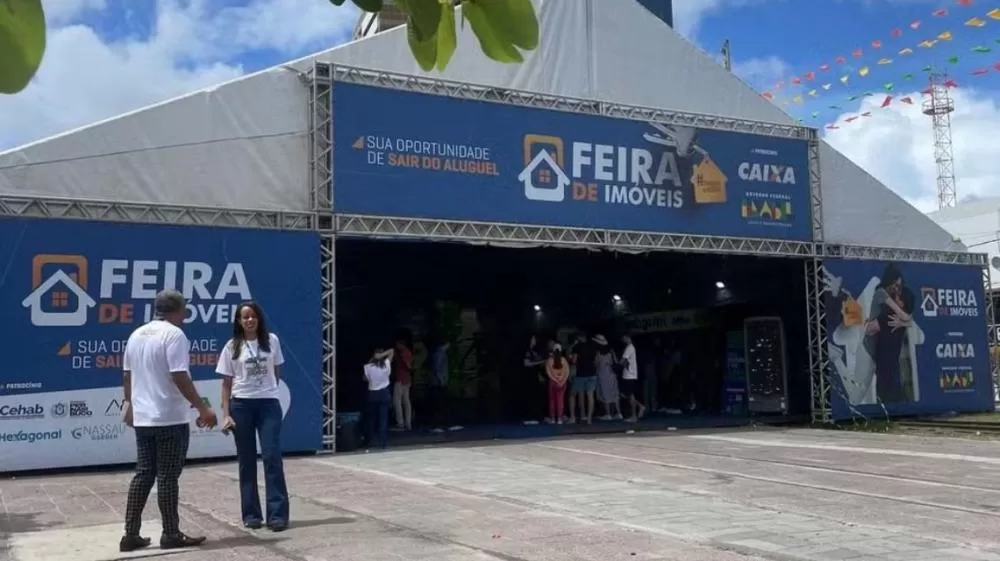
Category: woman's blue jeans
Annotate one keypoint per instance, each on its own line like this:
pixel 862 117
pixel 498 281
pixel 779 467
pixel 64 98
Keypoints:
pixel 377 417
pixel 260 418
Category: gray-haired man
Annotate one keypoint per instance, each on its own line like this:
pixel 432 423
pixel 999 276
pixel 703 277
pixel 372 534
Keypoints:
pixel 159 395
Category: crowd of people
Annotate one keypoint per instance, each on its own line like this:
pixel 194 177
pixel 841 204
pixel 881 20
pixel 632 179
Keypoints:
pixel 592 373
pixel 589 378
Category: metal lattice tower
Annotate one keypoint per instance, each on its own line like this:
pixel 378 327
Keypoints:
pixel 939 106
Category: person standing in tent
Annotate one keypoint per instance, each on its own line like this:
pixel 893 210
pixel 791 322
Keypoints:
pixel 250 366
pixel 402 369
pixel 607 380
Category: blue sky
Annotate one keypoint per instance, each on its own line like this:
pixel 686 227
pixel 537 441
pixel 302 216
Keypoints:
pixel 804 35
pixel 108 57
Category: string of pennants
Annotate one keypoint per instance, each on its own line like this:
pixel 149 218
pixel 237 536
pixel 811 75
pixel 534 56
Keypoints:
pixel 812 85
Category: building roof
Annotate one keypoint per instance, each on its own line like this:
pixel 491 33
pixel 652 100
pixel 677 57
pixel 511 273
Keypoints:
pixel 247 140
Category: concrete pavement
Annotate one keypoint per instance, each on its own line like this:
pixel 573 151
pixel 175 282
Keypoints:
pixel 712 496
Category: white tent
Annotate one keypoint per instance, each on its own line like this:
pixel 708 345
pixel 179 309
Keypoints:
pixel 243 144
pixel 977 225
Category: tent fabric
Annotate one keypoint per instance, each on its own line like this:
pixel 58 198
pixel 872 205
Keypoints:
pixel 244 143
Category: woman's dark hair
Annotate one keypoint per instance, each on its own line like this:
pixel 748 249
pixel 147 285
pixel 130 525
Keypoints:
pixel 263 335
pixel 375 359
pixel 557 355
pixel 890 275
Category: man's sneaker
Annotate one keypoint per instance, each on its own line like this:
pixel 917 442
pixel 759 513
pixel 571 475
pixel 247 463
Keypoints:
pixel 179 541
pixel 132 543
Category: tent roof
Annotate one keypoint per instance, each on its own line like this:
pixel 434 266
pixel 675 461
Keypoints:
pixel 244 143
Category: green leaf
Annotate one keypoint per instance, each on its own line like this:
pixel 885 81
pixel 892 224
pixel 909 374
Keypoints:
pixel 424 51
pixel 513 21
pixel 372 6
pixel 424 16
pixel 22 43
pixel 491 44
pixel 447 37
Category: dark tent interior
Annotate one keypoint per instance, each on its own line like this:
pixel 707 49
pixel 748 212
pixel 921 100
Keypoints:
pixel 488 301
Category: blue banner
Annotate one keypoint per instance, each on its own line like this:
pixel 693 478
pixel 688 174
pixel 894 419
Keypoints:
pixel 73 291
pixel 405 154
pixel 911 337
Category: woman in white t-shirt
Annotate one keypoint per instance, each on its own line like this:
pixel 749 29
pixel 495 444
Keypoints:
pixel 377 372
pixel 250 366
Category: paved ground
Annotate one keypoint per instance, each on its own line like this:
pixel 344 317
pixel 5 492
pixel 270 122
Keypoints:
pixel 719 496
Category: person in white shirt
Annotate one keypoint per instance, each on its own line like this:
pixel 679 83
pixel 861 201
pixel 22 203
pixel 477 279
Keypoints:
pixel 630 380
pixel 250 366
pixel 377 372
pixel 159 396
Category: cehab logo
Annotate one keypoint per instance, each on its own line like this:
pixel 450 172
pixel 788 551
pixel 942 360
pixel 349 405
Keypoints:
pixel 948 302
pixel 62 293
pixel 625 175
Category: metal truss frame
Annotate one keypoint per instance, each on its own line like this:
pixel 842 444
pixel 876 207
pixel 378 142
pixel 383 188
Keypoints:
pixel 321 138
pixel 328 314
pixel 353 225
pixel 840 251
pixel 448 88
pixel 820 385
pixel 991 327
pixel 153 213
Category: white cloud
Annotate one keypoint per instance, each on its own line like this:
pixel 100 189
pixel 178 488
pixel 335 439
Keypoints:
pixel 896 146
pixel 765 70
pixel 689 13
pixel 192 45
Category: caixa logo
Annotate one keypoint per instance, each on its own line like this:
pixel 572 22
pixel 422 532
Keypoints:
pixel 107 431
pixel 21 411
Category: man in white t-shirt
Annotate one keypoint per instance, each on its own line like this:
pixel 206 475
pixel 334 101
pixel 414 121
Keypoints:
pixel 159 394
pixel 630 380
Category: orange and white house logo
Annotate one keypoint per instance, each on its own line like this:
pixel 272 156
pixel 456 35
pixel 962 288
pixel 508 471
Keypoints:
pixel 58 295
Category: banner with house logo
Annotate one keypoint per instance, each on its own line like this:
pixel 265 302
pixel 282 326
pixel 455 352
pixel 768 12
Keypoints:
pixel 73 291
pixel 909 337
pixel 412 155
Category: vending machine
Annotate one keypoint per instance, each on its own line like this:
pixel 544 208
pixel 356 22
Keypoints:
pixel 766 365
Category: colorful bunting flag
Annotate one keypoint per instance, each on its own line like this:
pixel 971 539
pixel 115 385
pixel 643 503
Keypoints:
pixel 906 51
pixel 887 101
pixel 940 13
pixel 897 33
pixel 864 71
pixel 857 53
pixel 980 71
pixel 843 80
pixel 915 25
pixel 810 76
pixel 876 44
pixel 982 49
pixel 824 67
pixel 889 86
pixel 826 86
pixel 953 60
pixel 927 44
pixel 975 22
pixel 884 61
pixel 944 36
pixel 907 100
pixel 994 14
pixel 964 2
pixel 841 60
